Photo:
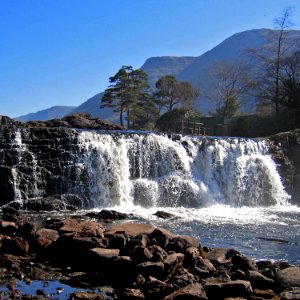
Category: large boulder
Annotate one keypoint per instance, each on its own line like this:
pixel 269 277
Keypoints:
pixel 289 277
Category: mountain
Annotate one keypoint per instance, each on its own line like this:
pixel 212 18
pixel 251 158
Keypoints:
pixel 156 67
pixel 92 106
pixel 47 114
pixel 192 69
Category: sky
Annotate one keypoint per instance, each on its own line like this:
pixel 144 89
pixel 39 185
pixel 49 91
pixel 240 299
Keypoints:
pixel 62 52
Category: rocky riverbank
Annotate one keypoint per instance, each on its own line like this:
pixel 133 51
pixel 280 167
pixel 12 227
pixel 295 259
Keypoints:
pixel 125 260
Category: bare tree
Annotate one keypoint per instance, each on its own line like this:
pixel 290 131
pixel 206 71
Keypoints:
pixel 230 83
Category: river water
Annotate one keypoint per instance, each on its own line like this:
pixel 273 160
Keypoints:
pixel 225 191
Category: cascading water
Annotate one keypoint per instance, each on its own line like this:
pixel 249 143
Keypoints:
pixel 154 170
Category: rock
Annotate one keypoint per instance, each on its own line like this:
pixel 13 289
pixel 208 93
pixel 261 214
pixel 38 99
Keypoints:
pixel 221 290
pixel 105 214
pixel 55 203
pixel 164 215
pixel 259 281
pixel 8 228
pixel 221 256
pixel 183 277
pixel 172 263
pixel 241 262
pixel 81 227
pixel 15 245
pixel 292 293
pixel 10 214
pixel 265 294
pixel 154 269
pixel 161 237
pixel 181 243
pixel 45 237
pixel 131 229
pixel 192 291
pixel 286 278
pixel 131 294
pixel 156 289
pixel 102 255
pixel 87 296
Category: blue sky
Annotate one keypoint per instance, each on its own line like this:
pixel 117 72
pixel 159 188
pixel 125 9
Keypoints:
pixel 62 52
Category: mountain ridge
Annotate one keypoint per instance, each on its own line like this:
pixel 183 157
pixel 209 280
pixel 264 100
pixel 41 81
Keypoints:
pixel 194 69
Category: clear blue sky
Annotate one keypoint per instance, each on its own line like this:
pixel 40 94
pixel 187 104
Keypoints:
pixel 62 52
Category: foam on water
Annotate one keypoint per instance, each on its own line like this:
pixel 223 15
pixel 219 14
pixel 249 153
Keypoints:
pixel 154 170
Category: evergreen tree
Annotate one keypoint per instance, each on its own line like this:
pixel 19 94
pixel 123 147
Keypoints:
pixel 127 92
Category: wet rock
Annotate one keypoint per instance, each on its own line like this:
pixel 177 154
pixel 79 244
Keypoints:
pixel 105 214
pixel 164 215
pixel 87 296
pixel 154 269
pixel 117 240
pixel 15 245
pixel 161 237
pixel 131 294
pixel 172 263
pixel 10 214
pixel 259 281
pixel 45 237
pixel 221 290
pixel 241 262
pixel 192 291
pixel 8 228
pixel 181 243
pixel 220 256
pixel 156 289
pixel 54 203
pixel 265 293
pixel 131 229
pixel 292 293
pixel 183 277
pixel 81 227
pixel 289 277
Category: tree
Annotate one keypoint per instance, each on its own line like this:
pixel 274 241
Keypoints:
pixel 127 89
pixel 229 84
pixel 172 93
pixel 270 60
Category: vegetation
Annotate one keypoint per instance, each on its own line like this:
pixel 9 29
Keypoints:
pixel 274 79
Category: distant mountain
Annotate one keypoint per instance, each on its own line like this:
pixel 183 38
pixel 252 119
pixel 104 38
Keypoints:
pixel 156 67
pixel 47 114
pixel 192 69
pixel 92 106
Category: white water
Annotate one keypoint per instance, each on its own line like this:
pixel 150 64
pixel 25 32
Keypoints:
pixel 153 170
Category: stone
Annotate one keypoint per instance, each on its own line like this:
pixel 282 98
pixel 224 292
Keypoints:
pixel 101 254
pixel 164 215
pixel 286 278
pixel 148 268
pixel 131 294
pixel 221 290
pixel 81 227
pixel 156 289
pixel 241 262
pixel 192 291
pixel 105 214
pixel 173 262
pixel 183 277
pixel 161 237
pixel 15 245
pixel 131 229
pixel 265 293
pixel 181 243
pixel 87 296
pixel 259 281
pixel 45 237
pixel 220 256
pixel 292 293
pixel 8 228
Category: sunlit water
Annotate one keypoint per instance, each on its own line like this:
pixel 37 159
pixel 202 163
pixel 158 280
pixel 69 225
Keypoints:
pixel 258 232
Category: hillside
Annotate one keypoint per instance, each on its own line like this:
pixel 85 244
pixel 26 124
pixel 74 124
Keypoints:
pixel 192 69
pixel 47 114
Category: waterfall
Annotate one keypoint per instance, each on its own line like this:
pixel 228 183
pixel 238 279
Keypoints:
pixel 26 178
pixel 150 170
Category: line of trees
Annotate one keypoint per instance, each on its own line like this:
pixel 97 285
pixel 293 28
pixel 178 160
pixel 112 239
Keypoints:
pixel 271 75
pixel 130 95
